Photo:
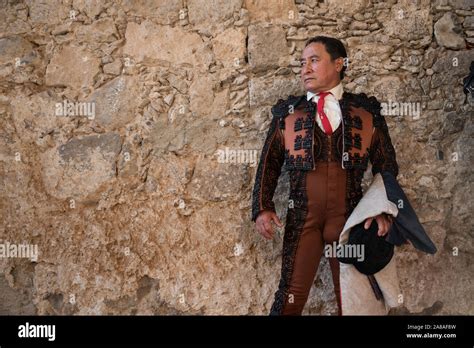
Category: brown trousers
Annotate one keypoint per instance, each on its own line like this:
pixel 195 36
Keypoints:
pixel 326 191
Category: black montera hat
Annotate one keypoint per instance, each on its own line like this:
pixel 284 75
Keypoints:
pixel 377 251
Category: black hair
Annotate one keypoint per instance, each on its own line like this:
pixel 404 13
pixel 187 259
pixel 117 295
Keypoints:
pixel 334 47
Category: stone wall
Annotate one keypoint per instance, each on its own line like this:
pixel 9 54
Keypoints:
pixel 136 205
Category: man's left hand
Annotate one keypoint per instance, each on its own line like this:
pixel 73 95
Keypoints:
pixel 384 222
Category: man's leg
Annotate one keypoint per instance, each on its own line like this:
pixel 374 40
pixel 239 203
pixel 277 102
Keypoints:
pixel 332 230
pixel 305 266
pixel 335 220
pixel 302 250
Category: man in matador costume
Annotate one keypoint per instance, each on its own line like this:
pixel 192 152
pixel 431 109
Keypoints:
pixel 325 139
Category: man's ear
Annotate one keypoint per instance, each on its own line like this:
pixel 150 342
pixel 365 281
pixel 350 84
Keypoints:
pixel 339 64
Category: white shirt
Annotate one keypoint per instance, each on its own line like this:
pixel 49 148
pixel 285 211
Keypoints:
pixel 331 106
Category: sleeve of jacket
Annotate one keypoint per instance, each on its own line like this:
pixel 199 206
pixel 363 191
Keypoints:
pixel 382 152
pixel 268 170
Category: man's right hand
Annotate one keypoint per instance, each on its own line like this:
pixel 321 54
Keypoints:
pixel 264 223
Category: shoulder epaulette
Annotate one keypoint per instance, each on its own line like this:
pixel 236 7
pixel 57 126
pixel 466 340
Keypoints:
pixel 283 107
pixel 371 104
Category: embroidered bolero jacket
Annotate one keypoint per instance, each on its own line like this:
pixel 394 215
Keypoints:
pixel 296 143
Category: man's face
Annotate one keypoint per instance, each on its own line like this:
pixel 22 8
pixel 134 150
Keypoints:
pixel 318 72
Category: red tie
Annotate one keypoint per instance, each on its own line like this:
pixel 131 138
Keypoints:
pixel 324 119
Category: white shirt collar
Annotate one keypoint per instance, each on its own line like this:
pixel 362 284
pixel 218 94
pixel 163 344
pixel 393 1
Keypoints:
pixel 336 92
